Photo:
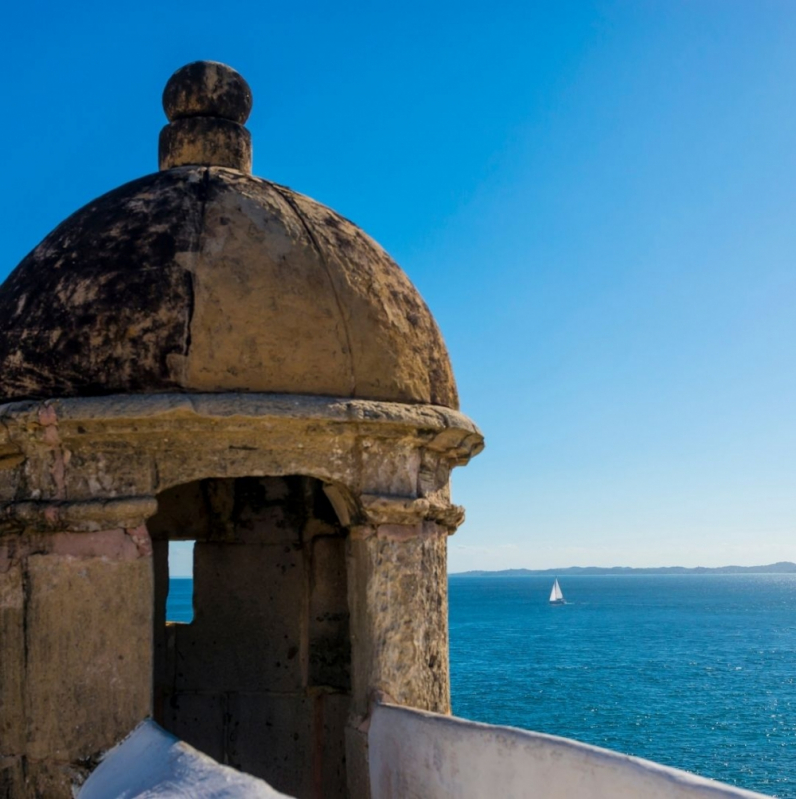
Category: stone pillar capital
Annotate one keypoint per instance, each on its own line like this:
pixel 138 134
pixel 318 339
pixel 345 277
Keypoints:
pixel 380 509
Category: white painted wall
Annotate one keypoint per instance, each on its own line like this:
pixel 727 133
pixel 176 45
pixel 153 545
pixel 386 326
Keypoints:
pixel 152 764
pixel 417 755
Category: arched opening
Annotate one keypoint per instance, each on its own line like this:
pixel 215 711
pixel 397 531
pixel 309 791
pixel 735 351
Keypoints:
pixel 260 679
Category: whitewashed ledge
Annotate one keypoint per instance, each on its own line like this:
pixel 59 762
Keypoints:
pixel 152 764
pixel 418 754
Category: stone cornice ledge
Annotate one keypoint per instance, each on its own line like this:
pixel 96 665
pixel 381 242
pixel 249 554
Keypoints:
pixel 450 429
pixel 82 515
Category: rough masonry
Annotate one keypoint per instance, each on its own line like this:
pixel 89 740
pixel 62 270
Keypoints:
pixel 204 355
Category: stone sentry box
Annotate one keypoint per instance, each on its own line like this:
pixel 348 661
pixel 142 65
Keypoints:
pixel 205 355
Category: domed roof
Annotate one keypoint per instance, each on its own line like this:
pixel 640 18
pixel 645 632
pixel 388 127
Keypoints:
pixel 203 278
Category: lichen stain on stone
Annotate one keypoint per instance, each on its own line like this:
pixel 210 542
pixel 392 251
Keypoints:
pixel 200 279
pixel 96 308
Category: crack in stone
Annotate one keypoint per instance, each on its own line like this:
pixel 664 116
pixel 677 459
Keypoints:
pixel 294 207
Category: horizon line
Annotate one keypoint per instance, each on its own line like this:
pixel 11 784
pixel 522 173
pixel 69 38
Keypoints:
pixel 556 569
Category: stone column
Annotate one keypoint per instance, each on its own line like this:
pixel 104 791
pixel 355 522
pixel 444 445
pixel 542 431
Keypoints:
pixel 399 617
pixel 76 631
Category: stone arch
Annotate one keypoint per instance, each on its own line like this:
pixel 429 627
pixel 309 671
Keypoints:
pixel 261 678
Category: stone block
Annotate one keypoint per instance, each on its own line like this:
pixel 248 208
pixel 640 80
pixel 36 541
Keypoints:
pixel 356 762
pixel 163 678
pixel 270 525
pixel 11 469
pixel 330 717
pixel 247 631
pixel 12 778
pixel 109 469
pixel 329 643
pixel 269 510
pixel 329 588
pixel 89 665
pixel 47 780
pixel 198 719
pixel 399 607
pixel 12 660
pixel 39 780
pixel 182 513
pixel 114 545
pixel 270 737
pixel 392 468
pixel 249 510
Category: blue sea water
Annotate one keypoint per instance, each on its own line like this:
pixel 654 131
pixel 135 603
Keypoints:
pixel 695 671
pixel 179 603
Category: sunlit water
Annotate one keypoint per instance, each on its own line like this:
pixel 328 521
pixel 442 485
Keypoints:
pixel 695 671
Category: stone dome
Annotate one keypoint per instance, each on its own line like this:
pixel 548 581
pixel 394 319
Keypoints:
pixel 203 278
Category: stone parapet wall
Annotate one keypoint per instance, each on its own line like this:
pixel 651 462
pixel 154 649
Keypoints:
pixel 413 753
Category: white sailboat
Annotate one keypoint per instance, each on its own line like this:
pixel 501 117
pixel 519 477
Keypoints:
pixel 556 594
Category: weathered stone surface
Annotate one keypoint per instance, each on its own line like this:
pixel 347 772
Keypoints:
pixel 85 516
pixel 12 659
pixel 356 747
pixel 118 545
pixel 162 664
pixel 207 89
pixel 329 633
pixel 399 616
pixel 114 454
pixel 273 740
pixel 247 630
pixel 75 630
pixel 183 513
pixel 30 779
pixel 130 448
pixel 12 778
pixel 89 662
pixel 89 419
pixel 204 141
pixel 246 510
pixel 200 719
pixel 49 780
pixel 330 773
pixel 11 470
pixel 296 743
pixel 63 330
pixel 396 475
pixel 110 467
pixel 388 509
pixel 232 284
pixel 389 338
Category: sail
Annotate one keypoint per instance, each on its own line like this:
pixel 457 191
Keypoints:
pixel 556 594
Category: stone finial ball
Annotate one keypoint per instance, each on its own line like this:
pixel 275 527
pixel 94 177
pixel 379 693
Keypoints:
pixel 207 89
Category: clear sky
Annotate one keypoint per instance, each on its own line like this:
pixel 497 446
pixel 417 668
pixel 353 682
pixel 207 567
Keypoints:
pixel 596 199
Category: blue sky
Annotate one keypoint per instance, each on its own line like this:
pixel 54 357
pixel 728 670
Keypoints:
pixel 596 199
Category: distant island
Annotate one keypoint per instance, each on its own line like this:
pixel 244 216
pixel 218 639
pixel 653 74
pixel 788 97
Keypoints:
pixel 783 567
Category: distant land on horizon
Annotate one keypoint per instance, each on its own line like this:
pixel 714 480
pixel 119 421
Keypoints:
pixel 782 567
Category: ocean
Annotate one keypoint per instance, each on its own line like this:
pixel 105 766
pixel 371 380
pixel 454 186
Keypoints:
pixel 694 671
